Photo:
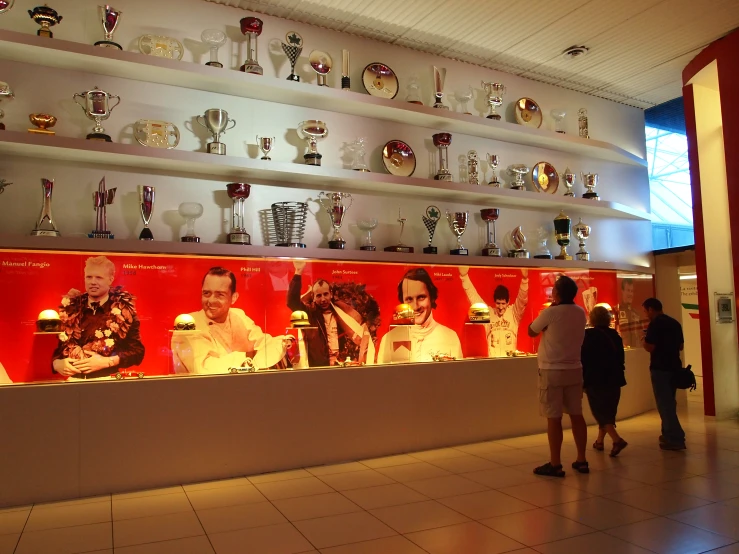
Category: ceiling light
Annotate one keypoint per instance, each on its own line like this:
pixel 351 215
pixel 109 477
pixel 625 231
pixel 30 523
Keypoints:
pixel 575 52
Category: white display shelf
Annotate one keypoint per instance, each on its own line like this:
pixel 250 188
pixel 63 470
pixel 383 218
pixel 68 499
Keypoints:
pixel 80 244
pixel 294 174
pixel 62 54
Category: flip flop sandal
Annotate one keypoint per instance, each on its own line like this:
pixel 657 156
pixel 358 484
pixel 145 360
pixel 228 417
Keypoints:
pixel 581 467
pixel 549 470
pixel 598 446
pixel 618 447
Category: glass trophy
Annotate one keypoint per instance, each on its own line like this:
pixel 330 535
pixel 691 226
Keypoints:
pixel 190 211
pixel 464 97
pixel 367 226
pixel 358 154
pixel 542 251
pixel 413 90
pixel 215 39
pixel 559 120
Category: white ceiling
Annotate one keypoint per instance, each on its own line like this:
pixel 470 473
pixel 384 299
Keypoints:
pixel 638 48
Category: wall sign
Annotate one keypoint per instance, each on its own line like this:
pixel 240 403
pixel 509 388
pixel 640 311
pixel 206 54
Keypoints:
pixel 724 307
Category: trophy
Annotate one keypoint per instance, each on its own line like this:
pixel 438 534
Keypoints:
pixel 101 200
pixel 46 17
pixel 430 220
pixel 215 39
pixel 109 18
pixel 519 241
pixel 96 105
pixel 494 161
pixel 47 186
pixel 442 142
pixel 414 91
pixel 3 184
pixel 367 226
pixel 358 151
pixel 190 211
pixel 559 120
pixel 519 170
pixel 472 162
pixel 542 252
pixel 292 49
pixel 590 180
pixel 464 97
pixel 458 224
pixel 251 28
pixel 321 63
pixel 238 193
pixel 312 130
pixel 161 47
pixel 562 232
pixel 43 122
pixel 439 77
pixel 156 134
pixel 582 232
pixel 146 205
pixel 5 92
pixel 569 179
pixel 495 92
pixel 400 247
pixel 345 80
pixel 333 203
pixel 5 5
pixel 216 121
pixel 582 123
pixel 490 215
pixel 290 219
pixel 265 145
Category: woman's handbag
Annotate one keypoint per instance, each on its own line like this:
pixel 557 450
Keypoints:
pixel 684 378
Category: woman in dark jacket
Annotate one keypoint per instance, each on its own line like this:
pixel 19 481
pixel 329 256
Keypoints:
pixel 603 376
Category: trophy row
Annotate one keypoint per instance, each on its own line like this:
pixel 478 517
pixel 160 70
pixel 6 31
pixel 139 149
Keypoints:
pixel 289 221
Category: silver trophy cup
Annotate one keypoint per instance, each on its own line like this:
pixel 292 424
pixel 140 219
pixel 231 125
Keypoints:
pixel 96 105
pixel 217 122
pixel 47 185
pixel 335 205
pixel 109 18
pixel 458 224
pixel 146 205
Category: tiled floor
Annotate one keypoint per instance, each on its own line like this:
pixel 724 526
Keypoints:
pixel 472 499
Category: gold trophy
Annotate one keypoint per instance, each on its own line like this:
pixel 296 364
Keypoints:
pixel 563 233
pixel 42 122
pixel 46 17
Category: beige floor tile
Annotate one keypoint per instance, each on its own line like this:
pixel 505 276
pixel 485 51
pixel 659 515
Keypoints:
pixel 534 527
pixel 480 448
pixel 389 461
pixel 502 477
pixel 388 545
pixel 466 463
pixel 68 516
pixel 148 492
pixel 217 498
pixel 449 485
pixel 714 490
pixel 308 486
pixel 470 538
pixel 545 493
pixel 13 522
pixel 727 476
pixel 437 454
pixel 697 465
pixel 336 468
pixel 128 532
pixel 356 480
pixel 717 518
pixel 310 507
pixel 413 472
pixel 600 482
pixel 144 506
pixel 66 540
pixel 525 442
pixel 280 476
pixel 190 545
pixel 74 502
pixel 600 513
pixel 16 509
pixel 220 484
pixel 665 536
pixel 599 543
pixel 733 502
pixel 419 516
pixel 383 496
pixel 513 458
pixel 325 532
pixel 481 505
pixel 657 501
pixel 273 539
pixel 650 474
pixel 245 516
pixel 8 543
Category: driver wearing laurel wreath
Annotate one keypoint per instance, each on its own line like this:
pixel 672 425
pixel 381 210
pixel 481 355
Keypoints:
pixel 100 328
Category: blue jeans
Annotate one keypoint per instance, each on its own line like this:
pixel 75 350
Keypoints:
pixel 664 395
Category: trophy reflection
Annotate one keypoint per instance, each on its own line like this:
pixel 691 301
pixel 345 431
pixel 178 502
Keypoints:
pixel 96 105
pixel 312 130
pixel 146 206
pixel 582 232
pixel 238 193
pixel 190 211
pixel 458 225
pixel 367 226
pixel 562 232
pixel 334 204
pixel 101 199
pixel 47 186
pixel 430 221
pixel 290 219
pixel 490 215
pixel 216 121
pixel 292 49
pixel 400 247
pixel 251 28
pixel 109 18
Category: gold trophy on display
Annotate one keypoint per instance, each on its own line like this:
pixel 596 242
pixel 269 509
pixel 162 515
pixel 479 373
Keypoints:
pixel 473 177
pixel 47 186
pixel 43 123
pixel 563 234
pixel 46 17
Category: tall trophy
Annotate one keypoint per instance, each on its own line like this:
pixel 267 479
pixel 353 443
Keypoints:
pixel 312 130
pixel 442 142
pixel 238 193
pixel 569 179
pixel 542 251
pixel 96 105
pixel 101 200
pixel 109 18
pixel 335 205
pixel 400 247
pixel 358 153
pixel 190 211
pixel 494 162
pixel 47 18
pixel 590 180
pixel 490 215
pixel 146 206
pixel 582 123
pixel 562 232
pixel 251 28
pixel 430 221
pixel 321 63
pixel 472 162
pixel 518 239
pixel 215 39
pixel 367 226
pixel 439 78
pixel 5 93
pixel 216 121
pixel 582 232
pixel 47 186
pixel 495 92
pixel 290 219
pixel 292 49
pixel 345 79
pixel 458 225
pixel 265 145
pixel 518 170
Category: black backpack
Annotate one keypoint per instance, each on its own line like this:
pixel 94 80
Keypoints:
pixel 684 378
